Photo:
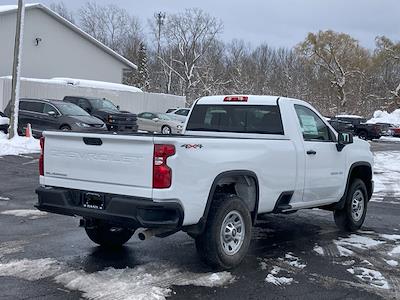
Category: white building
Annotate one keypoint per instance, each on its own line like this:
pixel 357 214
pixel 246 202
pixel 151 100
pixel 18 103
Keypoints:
pixel 54 47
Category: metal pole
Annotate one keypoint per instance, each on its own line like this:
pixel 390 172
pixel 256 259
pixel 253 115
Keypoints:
pixel 16 71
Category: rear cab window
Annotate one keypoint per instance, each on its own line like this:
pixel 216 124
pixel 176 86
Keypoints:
pixel 262 119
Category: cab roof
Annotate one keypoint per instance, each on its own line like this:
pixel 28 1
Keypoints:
pixel 247 100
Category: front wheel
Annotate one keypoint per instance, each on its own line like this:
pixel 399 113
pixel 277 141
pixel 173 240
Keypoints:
pixel 352 216
pixel 108 236
pixel 226 238
pixel 166 129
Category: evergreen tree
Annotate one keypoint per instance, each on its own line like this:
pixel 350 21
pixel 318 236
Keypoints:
pixel 142 76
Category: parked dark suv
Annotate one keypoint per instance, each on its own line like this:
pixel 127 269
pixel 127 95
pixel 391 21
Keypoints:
pixel 44 114
pixel 106 111
pixel 363 129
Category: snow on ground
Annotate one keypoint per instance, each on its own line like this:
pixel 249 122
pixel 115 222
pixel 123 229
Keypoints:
pixel 395 251
pixel 319 250
pixel 26 213
pixel 272 278
pixel 358 241
pixel 31 269
pixel 294 261
pixel 391 237
pixel 4 198
pixel 387 173
pixel 372 277
pixel 18 145
pixel 11 247
pixel 149 281
pixel 385 117
pixel 391 262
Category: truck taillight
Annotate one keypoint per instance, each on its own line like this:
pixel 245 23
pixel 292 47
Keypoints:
pixel 236 99
pixel 41 158
pixel 162 174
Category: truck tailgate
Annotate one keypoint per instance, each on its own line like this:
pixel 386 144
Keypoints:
pixel 107 163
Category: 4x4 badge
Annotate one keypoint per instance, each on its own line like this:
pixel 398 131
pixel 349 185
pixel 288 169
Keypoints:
pixel 192 146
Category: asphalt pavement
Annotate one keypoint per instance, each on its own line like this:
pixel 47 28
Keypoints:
pixel 299 256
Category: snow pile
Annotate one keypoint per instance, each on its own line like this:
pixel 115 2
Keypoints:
pixel 372 277
pixel 391 262
pixel 18 145
pixel 26 213
pixel 149 281
pixel 272 278
pixel 385 117
pixel 4 120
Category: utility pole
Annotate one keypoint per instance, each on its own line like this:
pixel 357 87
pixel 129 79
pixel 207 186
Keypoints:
pixel 160 17
pixel 16 71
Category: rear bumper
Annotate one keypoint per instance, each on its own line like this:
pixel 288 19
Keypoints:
pixel 130 212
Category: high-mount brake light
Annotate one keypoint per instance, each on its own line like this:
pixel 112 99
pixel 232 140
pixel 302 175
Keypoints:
pixel 162 173
pixel 236 99
pixel 41 157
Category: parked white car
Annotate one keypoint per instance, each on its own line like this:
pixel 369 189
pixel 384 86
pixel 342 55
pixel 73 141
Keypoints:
pixel 239 157
pixel 179 113
pixel 159 122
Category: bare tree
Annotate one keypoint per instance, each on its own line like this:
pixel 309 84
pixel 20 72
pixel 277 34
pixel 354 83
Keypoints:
pixel 61 9
pixel 191 33
pixel 339 55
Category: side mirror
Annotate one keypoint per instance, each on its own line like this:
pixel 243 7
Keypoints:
pixel 156 119
pixel 52 113
pixel 344 138
pixel 118 107
pixel 88 110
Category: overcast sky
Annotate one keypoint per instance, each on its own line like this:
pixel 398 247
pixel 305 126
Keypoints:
pixel 278 22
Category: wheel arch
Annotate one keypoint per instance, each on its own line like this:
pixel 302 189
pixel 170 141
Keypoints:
pixel 363 171
pixel 230 177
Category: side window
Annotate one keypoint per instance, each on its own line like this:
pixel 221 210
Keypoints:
pixel 83 103
pixel 31 106
pixel 312 127
pixel 182 112
pixel 48 108
pixel 148 116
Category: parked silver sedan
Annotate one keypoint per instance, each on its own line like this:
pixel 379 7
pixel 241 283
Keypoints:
pixel 159 122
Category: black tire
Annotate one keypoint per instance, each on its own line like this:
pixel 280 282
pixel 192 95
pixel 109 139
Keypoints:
pixel 346 218
pixel 166 129
pixel 65 128
pixel 209 245
pixel 108 236
pixel 363 135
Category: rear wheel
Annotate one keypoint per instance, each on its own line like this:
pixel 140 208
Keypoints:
pixel 352 216
pixel 107 235
pixel 226 238
pixel 166 129
pixel 363 135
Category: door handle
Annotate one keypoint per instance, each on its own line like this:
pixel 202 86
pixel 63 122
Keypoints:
pixel 311 152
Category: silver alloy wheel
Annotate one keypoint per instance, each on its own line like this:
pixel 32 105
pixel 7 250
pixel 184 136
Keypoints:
pixel 232 232
pixel 357 205
pixel 166 130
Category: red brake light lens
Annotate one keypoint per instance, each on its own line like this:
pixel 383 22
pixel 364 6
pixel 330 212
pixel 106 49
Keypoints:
pixel 41 158
pixel 162 174
pixel 236 99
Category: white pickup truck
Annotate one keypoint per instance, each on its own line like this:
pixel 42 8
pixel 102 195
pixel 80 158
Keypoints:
pixel 239 157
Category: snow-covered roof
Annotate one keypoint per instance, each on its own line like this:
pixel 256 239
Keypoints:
pixel 83 83
pixel 12 8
